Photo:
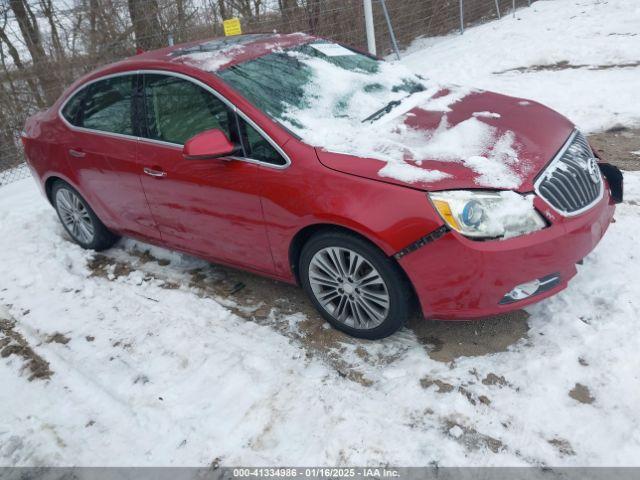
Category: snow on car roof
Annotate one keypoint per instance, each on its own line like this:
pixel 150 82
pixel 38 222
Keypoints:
pixel 214 54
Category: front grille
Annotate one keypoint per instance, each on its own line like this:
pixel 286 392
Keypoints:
pixel 572 182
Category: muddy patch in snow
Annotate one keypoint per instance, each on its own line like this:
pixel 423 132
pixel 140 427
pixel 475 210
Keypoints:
pixel 103 266
pixel 493 379
pixel 619 145
pixel 582 394
pixel 563 447
pixel 286 309
pixel 445 387
pixel 267 302
pixel 470 438
pixel 441 386
pixel 566 65
pixel 58 338
pixel 446 341
pixel 14 345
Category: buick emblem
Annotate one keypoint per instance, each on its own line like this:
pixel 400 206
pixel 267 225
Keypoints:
pixel 593 169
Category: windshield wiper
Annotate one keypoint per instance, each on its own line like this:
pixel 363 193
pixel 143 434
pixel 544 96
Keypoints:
pixel 383 111
pixel 414 88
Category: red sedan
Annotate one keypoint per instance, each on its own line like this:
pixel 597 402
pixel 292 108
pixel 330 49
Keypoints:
pixel 307 161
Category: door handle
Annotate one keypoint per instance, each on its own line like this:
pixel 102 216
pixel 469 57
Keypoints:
pixel 76 153
pixel 154 173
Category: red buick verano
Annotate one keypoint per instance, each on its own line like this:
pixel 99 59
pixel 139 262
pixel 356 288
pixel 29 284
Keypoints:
pixel 312 163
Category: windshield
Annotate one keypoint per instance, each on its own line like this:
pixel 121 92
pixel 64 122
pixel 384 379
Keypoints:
pixel 323 79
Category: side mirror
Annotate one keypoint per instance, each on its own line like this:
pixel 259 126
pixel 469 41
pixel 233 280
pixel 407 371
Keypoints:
pixel 208 144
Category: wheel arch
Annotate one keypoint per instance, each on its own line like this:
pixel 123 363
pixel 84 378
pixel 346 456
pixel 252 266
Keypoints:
pixel 48 186
pixel 56 177
pixel 306 233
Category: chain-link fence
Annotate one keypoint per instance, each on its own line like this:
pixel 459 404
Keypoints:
pixel 46 44
pixel 14 173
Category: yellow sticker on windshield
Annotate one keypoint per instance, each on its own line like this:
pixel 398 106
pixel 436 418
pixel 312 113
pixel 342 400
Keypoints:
pixel 232 27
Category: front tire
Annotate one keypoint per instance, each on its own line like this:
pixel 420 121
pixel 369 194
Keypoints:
pixel 79 220
pixel 354 286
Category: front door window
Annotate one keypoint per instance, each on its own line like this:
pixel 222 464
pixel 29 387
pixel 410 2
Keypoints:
pixel 177 109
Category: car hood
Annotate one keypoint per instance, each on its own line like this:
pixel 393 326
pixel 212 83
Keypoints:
pixel 481 140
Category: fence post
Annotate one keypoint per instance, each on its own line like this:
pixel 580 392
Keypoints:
pixel 498 8
pixel 462 17
pixel 368 21
pixel 390 27
pixel 514 8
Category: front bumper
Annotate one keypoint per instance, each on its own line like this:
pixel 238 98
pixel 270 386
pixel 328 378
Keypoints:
pixel 456 278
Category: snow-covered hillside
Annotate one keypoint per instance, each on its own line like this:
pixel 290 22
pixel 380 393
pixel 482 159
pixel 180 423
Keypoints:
pixel 125 358
pixel 580 57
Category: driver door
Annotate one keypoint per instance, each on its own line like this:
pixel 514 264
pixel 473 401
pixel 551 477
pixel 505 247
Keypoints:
pixel 210 207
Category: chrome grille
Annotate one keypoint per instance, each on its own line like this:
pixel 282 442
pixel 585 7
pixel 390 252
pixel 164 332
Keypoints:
pixel 572 182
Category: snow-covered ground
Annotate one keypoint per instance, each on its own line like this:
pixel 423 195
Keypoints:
pixel 143 373
pixel 143 369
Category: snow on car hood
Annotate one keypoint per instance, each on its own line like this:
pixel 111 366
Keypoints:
pixel 431 136
pixel 455 138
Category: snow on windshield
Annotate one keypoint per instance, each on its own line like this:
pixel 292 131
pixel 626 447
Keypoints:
pixel 337 100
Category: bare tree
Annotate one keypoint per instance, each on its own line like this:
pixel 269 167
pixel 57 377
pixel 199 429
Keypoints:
pixel 93 26
pixel 28 24
pixel 246 8
pixel 8 93
pixel 181 19
pixel 17 63
pixel 287 6
pixel 288 10
pixel 313 15
pixel 146 23
pixel 257 7
pixel 222 8
pixel 48 11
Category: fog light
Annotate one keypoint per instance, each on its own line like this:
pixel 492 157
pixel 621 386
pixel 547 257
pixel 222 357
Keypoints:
pixel 529 289
pixel 524 290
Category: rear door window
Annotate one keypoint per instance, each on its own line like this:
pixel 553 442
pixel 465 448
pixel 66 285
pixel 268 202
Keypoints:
pixel 108 105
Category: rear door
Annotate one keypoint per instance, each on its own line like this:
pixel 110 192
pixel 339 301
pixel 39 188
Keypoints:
pixel 209 207
pixel 103 153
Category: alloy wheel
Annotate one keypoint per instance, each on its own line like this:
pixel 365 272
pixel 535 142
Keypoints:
pixel 349 288
pixel 75 216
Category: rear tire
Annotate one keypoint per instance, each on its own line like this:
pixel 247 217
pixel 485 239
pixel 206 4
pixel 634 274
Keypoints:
pixel 355 286
pixel 79 220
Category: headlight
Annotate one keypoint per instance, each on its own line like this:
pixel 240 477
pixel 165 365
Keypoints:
pixel 488 214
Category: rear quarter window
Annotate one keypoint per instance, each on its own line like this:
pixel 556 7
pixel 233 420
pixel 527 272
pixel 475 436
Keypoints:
pixel 71 110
